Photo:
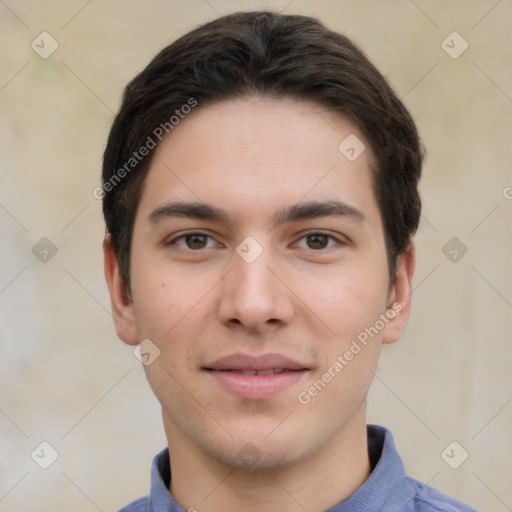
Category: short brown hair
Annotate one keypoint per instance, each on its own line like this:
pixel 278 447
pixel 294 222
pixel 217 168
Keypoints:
pixel 271 55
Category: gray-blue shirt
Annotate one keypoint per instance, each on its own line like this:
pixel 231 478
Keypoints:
pixel 387 489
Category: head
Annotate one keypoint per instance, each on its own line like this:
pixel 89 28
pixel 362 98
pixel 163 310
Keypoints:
pixel 275 128
pixel 271 56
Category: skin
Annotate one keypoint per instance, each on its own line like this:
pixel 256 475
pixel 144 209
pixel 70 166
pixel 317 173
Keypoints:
pixel 305 297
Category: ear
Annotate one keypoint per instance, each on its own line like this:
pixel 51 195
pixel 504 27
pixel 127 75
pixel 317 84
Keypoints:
pixel 122 306
pixel 399 303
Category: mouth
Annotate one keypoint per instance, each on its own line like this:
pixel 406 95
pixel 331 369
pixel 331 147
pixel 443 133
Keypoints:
pixel 256 378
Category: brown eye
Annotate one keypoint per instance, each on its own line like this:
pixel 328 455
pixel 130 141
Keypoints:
pixel 317 241
pixel 193 241
pixel 196 241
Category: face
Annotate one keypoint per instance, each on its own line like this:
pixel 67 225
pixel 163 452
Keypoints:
pixel 259 271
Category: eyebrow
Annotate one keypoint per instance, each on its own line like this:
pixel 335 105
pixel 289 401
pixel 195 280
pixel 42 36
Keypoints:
pixel 187 210
pixel 316 209
pixel 294 213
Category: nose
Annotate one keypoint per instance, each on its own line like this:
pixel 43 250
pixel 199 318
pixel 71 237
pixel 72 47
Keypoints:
pixel 254 298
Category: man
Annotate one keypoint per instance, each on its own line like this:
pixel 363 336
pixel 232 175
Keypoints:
pixel 260 195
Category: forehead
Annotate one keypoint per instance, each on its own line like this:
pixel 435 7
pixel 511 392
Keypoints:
pixel 255 155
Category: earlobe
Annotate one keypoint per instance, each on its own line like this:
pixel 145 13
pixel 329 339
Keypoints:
pixel 400 297
pixel 122 306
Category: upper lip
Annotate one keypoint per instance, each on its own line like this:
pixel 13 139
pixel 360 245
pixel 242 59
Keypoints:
pixel 257 363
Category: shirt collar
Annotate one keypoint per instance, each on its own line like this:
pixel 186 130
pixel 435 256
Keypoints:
pixel 387 485
pixel 385 489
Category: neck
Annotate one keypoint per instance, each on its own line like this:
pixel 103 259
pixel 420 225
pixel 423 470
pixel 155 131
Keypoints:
pixel 315 484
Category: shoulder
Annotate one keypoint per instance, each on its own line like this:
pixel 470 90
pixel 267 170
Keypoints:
pixel 428 499
pixel 140 505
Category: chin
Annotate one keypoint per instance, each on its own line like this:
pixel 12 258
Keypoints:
pixel 254 451
pixel 252 459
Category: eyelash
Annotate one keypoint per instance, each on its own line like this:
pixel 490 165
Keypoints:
pixel 183 236
pixel 330 237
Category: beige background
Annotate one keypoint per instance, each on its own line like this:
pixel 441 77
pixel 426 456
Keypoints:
pixel 67 380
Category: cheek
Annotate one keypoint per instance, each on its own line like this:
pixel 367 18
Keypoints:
pixel 175 311
pixel 347 300
pixel 171 313
pixel 350 304
pixel 163 297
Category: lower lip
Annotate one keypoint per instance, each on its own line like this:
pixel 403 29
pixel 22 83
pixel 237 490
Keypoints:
pixel 256 387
